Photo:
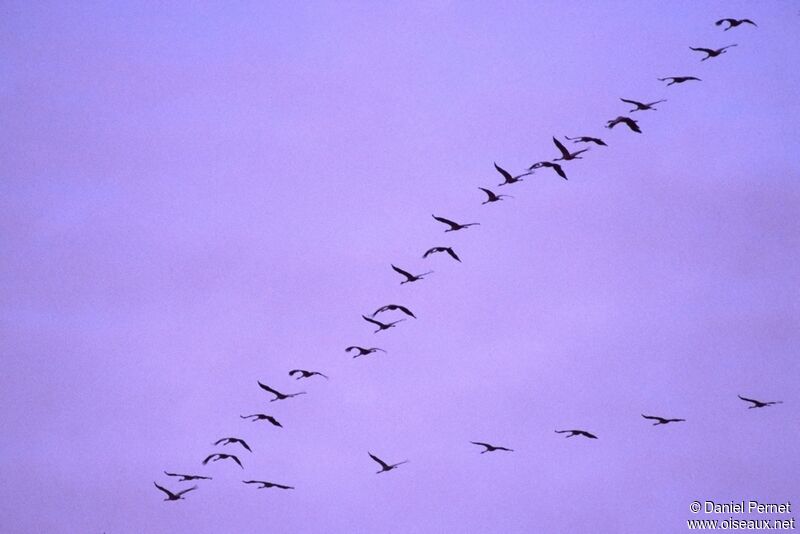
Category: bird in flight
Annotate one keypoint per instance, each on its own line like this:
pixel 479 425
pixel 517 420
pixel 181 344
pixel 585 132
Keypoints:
pixel 221 456
pixel 363 351
pixel 229 441
pixel 661 420
pixel 555 166
pixel 642 106
pixel 492 196
pixel 186 478
pixel 409 277
pixel 627 121
pixel 507 177
pixel 449 251
pixel 306 374
pixel 267 484
pixel 175 496
pixel 758 403
pixel 262 417
pixel 586 139
pixel 489 447
pixel 278 394
pixel 392 307
pixel 577 433
pixel 384 466
pixel 454 226
pixel 732 23
pixel 679 79
pixel 710 52
pixel 566 155
pixel 381 326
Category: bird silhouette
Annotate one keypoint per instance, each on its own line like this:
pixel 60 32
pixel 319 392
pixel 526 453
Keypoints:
pixel 566 155
pixel 642 106
pixel 265 484
pixel 758 403
pixel 306 374
pixel 732 23
pixel 392 307
pixel 489 447
pixel 186 478
pixel 409 277
pixel 362 351
pixel 231 441
pixel 661 420
pixel 175 496
pixel 555 166
pixel 577 433
pixel 449 251
pixel 278 394
pixel 217 456
pixel 586 139
pixel 679 79
pixel 454 226
pixel 492 196
pixel 507 176
pixel 384 466
pixel 711 52
pixel 262 417
pixel 381 326
pixel 627 121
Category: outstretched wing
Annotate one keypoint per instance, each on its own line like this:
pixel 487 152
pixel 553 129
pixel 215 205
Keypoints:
pixel 706 50
pixel 749 400
pixel 373 321
pixel 274 421
pixel 559 170
pixel 401 271
pixel 208 458
pixel 236 459
pixel 564 152
pixel 168 492
pixel 269 389
pixel 489 194
pixel 244 444
pixel 383 464
pixel 187 490
pixel 452 254
pixel 506 175
pixel 406 311
pixel 482 444
pixel 445 221
pixel 633 102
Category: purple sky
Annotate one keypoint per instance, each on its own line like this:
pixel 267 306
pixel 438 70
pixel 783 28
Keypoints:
pixel 196 198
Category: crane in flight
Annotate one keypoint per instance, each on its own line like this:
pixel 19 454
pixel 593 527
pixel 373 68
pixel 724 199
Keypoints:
pixel 393 307
pixel 222 456
pixel 265 484
pixel 642 106
pixel 627 121
pixel 661 420
pixel 448 250
pixel 230 441
pixel 492 196
pixel 384 466
pixel 679 79
pixel 566 155
pixel 175 496
pixel 363 351
pixel 586 139
pixel 489 447
pixel 278 394
pixel 758 403
pixel 555 166
pixel 381 326
pixel 577 433
pixel 454 226
pixel 712 52
pixel 262 417
pixel 508 178
pixel 409 277
pixel 732 23
pixel 306 374
pixel 186 478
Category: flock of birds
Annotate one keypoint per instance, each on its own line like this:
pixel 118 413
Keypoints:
pixel 452 226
